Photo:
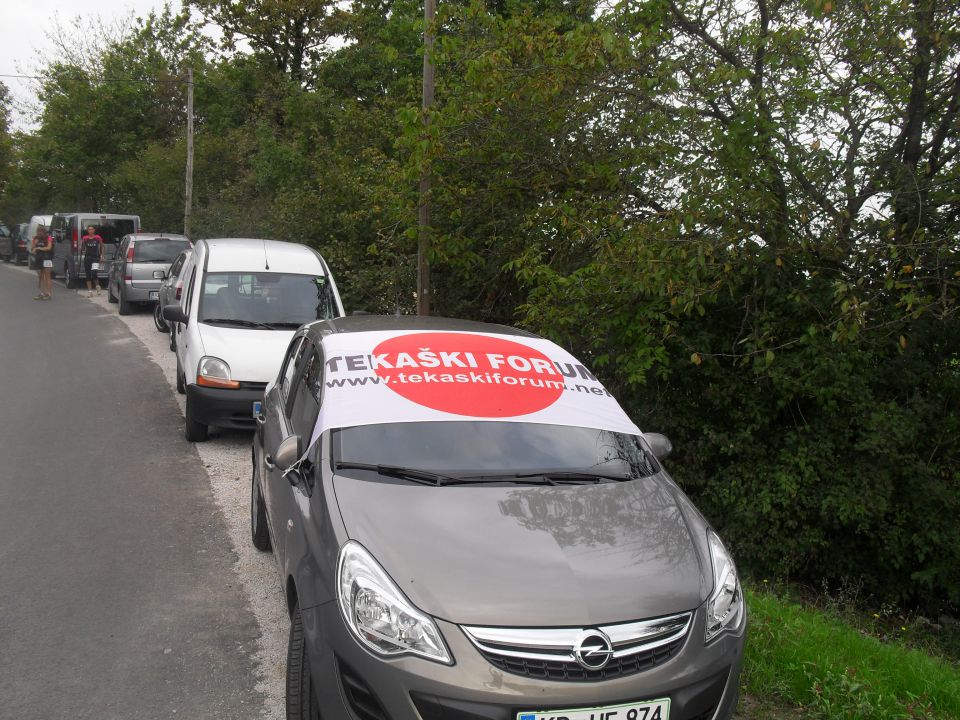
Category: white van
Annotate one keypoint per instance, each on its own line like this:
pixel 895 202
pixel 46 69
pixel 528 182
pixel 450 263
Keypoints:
pixel 242 302
pixel 35 223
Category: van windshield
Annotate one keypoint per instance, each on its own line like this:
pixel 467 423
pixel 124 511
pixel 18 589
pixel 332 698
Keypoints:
pixel 265 300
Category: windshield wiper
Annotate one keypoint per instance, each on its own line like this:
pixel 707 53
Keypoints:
pixel 552 477
pixel 236 321
pixel 293 325
pixel 421 476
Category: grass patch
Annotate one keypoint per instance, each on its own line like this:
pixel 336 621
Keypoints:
pixel 810 658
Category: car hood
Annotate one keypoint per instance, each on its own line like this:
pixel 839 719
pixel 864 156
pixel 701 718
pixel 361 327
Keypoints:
pixel 535 555
pixel 253 355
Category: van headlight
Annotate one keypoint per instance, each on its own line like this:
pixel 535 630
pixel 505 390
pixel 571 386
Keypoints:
pixel 214 372
pixel 725 606
pixel 378 613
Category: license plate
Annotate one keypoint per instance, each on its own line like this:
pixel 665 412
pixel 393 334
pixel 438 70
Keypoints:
pixel 649 710
pixel 256 407
pixel 154 294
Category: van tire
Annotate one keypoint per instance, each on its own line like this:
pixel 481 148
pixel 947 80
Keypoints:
pixel 193 431
pixel 68 278
pixel 125 307
pixel 181 384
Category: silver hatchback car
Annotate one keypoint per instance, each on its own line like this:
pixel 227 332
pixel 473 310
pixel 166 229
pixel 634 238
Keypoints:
pixel 140 266
pixel 469 527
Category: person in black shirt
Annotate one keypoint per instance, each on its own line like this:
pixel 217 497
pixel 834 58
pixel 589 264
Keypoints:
pixel 92 255
pixel 43 254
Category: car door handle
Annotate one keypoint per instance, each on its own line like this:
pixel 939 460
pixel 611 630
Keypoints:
pixel 268 461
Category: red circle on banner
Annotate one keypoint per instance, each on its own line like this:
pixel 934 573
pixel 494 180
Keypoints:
pixel 470 375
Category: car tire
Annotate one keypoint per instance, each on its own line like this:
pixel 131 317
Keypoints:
pixel 259 532
pixel 158 319
pixel 301 695
pixel 173 339
pixel 193 431
pixel 125 308
pixel 181 381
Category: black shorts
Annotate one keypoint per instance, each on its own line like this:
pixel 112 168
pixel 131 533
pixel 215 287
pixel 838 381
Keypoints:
pixel 88 270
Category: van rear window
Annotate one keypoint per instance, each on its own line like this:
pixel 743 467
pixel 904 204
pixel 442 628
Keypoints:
pixel 158 251
pixel 110 230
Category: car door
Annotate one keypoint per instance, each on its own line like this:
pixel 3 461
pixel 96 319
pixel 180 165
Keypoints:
pixel 298 415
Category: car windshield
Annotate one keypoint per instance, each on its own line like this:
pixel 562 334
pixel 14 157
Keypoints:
pixel 265 300
pixel 110 229
pixel 157 251
pixel 474 448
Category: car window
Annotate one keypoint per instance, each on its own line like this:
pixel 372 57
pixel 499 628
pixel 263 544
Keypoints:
pixel 177 264
pixel 290 366
pixel 157 251
pixel 303 413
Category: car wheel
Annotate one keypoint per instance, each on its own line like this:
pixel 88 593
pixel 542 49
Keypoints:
pixel 125 307
pixel 301 694
pixel 259 532
pixel 173 338
pixel 193 431
pixel 181 381
pixel 68 279
pixel 158 319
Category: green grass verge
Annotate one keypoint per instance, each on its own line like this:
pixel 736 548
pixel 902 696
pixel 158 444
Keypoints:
pixel 809 658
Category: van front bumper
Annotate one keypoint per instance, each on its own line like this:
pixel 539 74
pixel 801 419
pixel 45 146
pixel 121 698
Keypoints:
pixel 222 407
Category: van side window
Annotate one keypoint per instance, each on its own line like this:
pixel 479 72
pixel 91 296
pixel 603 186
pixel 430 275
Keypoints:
pixel 189 291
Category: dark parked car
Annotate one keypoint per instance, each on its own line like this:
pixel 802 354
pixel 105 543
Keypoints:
pixel 21 242
pixel 7 246
pixel 469 526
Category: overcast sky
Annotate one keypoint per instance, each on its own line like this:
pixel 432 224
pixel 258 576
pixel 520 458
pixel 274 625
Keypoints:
pixel 25 24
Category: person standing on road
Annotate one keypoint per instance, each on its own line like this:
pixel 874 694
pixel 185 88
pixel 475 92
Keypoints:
pixel 92 258
pixel 43 254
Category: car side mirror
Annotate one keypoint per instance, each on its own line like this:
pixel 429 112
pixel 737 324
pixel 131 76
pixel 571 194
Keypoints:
pixel 288 452
pixel 174 313
pixel 659 444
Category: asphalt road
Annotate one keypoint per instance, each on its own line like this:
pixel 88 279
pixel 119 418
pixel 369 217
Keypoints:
pixel 118 594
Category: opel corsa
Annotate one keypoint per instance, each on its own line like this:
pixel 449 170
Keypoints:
pixel 469 527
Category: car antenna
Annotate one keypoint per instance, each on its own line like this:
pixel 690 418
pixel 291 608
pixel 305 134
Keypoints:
pixel 266 261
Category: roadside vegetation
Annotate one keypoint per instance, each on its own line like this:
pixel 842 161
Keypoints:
pixel 743 215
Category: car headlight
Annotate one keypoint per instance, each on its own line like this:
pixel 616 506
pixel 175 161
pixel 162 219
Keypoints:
pixel 725 606
pixel 214 372
pixel 378 613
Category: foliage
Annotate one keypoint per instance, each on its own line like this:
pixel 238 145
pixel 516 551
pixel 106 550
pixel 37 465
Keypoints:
pixel 742 215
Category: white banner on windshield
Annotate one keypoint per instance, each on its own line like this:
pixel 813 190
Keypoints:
pixel 414 376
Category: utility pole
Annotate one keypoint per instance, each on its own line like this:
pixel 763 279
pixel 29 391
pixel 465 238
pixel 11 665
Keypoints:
pixel 188 189
pixel 423 242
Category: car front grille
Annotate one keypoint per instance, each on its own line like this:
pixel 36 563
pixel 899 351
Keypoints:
pixel 551 653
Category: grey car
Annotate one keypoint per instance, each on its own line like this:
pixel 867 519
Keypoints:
pixel 140 266
pixel 170 291
pixel 469 526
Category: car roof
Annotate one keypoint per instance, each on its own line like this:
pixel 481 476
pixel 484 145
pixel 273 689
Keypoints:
pixel 158 236
pixel 250 254
pixel 401 323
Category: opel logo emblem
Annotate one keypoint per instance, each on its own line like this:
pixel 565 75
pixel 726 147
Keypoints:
pixel 593 650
